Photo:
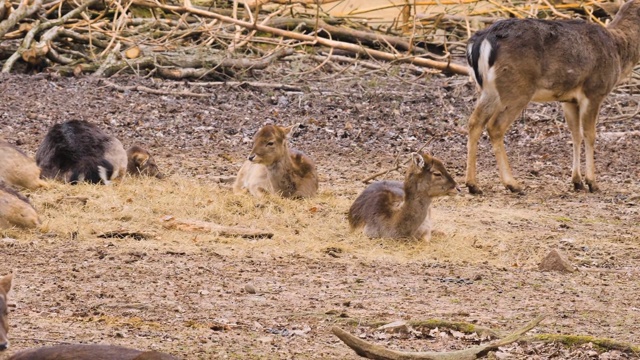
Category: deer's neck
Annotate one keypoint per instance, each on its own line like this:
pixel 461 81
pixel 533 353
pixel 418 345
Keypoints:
pixel 414 209
pixel 281 175
pixel 625 32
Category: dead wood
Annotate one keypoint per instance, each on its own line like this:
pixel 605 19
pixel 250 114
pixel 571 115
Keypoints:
pixel 121 234
pixel 156 91
pixel 577 340
pixel 371 351
pixel 169 222
pixel 24 10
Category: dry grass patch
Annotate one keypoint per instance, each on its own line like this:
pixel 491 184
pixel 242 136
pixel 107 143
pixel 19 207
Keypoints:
pixel 499 230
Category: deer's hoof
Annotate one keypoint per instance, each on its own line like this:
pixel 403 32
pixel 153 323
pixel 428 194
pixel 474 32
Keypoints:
pixel 474 189
pixel 593 187
pixel 516 189
pixel 578 186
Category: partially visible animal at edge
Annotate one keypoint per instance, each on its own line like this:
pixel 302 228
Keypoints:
pixel 577 63
pixel 395 209
pixel 89 352
pixel 140 162
pixel 16 210
pixel 76 151
pixel 273 168
pixel 17 169
pixel 5 287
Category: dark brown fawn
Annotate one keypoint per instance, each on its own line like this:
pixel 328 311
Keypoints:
pixel 5 287
pixel 16 210
pixel 141 163
pixel 89 352
pixel 395 209
pixel 577 63
pixel 274 168
pixel 17 169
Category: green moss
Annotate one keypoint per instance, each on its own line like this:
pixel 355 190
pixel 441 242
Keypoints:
pixel 576 340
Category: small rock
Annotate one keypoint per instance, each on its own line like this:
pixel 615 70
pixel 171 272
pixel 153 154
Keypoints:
pixel 395 327
pixel 554 261
pixel 250 289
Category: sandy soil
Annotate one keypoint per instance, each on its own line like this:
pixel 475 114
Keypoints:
pixel 187 294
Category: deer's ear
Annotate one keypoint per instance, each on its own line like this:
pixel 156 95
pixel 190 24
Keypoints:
pixel 290 129
pixel 140 159
pixel 5 283
pixel 418 160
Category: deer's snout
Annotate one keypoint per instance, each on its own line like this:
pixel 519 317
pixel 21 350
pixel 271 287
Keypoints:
pixel 4 346
pixel 251 157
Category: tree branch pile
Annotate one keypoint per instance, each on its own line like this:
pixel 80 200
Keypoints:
pixel 187 41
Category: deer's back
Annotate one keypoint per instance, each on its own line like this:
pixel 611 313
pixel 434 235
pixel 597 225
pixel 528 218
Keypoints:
pixel 78 147
pixel 87 352
pixel 305 176
pixel 17 169
pixel 376 204
pixel 550 54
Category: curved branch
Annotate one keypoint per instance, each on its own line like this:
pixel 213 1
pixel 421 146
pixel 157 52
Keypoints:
pixel 20 13
pixel 371 351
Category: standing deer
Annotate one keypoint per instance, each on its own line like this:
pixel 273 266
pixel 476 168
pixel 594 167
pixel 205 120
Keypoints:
pixel 5 287
pixel 396 210
pixel 516 61
pixel 17 169
pixel 273 168
pixel 16 210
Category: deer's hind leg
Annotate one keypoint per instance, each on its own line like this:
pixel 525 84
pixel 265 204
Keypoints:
pixel 497 128
pixel 484 111
pixel 571 114
pixel 588 118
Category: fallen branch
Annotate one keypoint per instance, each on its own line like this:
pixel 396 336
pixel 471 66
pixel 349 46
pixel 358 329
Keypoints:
pixel 169 222
pixel 156 91
pixel 23 10
pixel 371 351
pixel 575 340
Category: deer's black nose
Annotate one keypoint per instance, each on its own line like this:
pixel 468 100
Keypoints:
pixel 4 346
pixel 252 156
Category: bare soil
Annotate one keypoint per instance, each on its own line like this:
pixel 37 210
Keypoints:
pixel 201 296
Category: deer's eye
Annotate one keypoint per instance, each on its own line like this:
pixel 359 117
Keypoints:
pixel 270 143
pixel 437 174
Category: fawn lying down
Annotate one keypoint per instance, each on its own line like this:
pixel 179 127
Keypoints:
pixel 394 209
pixel 273 168
pixel 16 210
pixel 17 169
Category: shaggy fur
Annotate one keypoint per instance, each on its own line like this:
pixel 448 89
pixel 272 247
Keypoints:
pixel 77 151
pixel 89 352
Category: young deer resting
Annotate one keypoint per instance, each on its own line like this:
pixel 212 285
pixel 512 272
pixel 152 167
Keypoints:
pixel 141 163
pixel 396 210
pixel 17 169
pixel 5 287
pixel 273 168
pixel 16 210
pixel 577 63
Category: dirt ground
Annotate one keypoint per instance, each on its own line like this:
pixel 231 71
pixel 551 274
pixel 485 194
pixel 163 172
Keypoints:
pixel 202 296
